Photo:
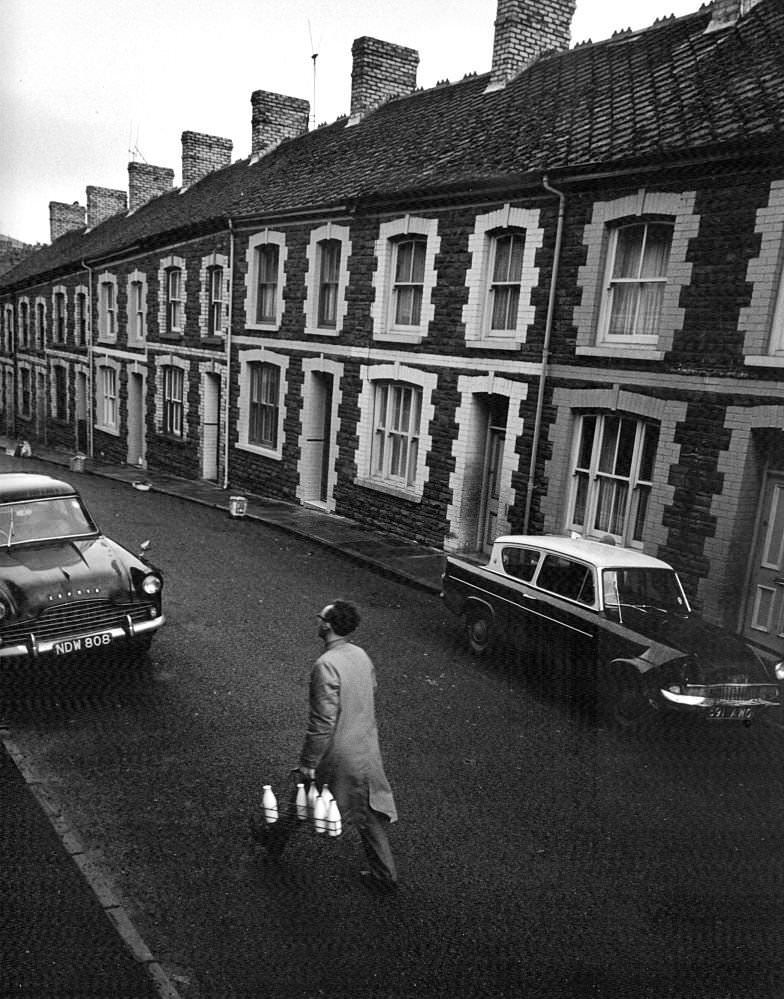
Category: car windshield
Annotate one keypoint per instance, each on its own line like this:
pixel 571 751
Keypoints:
pixel 643 588
pixel 43 520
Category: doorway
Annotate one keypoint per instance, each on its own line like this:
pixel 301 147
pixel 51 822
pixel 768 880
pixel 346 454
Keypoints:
pixel 317 461
pixel 136 441
pixel 80 413
pixel 210 427
pixel 40 407
pixel 491 493
pixel 764 621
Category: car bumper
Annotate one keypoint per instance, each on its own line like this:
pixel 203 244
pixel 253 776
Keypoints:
pixel 74 644
pixel 736 707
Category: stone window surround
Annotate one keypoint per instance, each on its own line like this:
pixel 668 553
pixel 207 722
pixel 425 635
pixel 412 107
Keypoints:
pixel 39 327
pixel 475 311
pixel 207 263
pixel 409 225
pixel 8 327
pixel 591 276
pixel 28 368
pixel 104 361
pixel 264 238
pixel 172 262
pixel 317 236
pixel 140 277
pixel 55 362
pixel 558 469
pixel 106 277
pixel 24 336
pixel 370 375
pixel 62 290
pixel 83 290
pixel 171 361
pixel 763 319
pixel 263 356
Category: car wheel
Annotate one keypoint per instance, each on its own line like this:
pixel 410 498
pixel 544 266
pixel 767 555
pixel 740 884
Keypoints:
pixel 625 703
pixel 479 630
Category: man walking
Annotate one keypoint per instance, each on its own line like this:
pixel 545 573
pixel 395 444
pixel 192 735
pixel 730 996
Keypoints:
pixel 341 745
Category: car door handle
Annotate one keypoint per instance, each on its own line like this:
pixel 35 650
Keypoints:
pixel 530 596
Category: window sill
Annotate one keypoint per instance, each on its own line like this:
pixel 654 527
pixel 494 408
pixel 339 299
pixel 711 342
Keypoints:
pixel 329 331
pixel 765 360
pixel 630 352
pixel 414 495
pixel 392 336
pixel 212 341
pixel 262 452
pixel 494 343
pixel 172 438
pixel 262 327
pixel 174 336
pixel 114 431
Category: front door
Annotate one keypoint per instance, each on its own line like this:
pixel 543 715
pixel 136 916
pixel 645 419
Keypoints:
pixel 135 419
pixel 40 407
pixel 488 521
pixel 764 622
pixel 317 439
pixel 210 427
pixel 80 414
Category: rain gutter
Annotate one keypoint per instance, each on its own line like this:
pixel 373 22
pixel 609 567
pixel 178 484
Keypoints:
pixel 548 329
pixel 226 449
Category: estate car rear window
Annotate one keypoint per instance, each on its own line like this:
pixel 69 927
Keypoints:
pixel 567 578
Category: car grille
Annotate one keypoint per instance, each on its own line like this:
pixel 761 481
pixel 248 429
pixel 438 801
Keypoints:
pixel 80 617
pixel 739 692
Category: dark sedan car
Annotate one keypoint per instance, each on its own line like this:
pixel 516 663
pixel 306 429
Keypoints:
pixel 64 587
pixel 614 618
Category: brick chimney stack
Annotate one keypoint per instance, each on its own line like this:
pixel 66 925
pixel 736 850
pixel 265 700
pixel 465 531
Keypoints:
pixel 65 218
pixel 146 182
pixel 274 118
pixel 524 30
pixel 724 13
pixel 102 203
pixel 380 71
pixel 202 154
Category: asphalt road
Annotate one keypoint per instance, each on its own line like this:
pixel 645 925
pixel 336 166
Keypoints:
pixel 541 855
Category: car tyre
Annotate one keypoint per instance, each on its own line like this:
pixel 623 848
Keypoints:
pixel 624 701
pixel 479 630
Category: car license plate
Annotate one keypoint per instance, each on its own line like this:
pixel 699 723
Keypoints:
pixel 90 642
pixel 726 712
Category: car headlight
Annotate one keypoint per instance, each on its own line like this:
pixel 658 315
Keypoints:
pixel 151 584
pixel 778 670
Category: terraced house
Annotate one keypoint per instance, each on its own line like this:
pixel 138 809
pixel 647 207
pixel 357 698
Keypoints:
pixel 545 298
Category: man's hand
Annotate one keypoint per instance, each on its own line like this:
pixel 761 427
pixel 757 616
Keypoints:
pixel 308 772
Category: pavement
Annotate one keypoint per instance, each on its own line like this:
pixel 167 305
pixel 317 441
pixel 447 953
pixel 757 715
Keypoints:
pixel 63 933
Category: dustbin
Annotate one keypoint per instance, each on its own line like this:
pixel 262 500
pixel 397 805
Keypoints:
pixel 238 506
pixel 77 462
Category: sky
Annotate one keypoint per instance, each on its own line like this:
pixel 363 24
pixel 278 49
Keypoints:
pixel 88 85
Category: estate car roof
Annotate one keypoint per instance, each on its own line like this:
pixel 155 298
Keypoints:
pixel 599 553
pixel 25 486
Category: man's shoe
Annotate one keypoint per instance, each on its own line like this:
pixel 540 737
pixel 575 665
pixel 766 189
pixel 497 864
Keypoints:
pixel 378 885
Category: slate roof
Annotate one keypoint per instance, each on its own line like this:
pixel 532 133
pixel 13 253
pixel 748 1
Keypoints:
pixel 655 94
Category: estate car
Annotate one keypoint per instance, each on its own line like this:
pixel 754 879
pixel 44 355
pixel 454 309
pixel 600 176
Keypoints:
pixel 65 588
pixel 617 618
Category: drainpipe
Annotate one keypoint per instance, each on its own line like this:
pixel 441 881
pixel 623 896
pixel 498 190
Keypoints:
pixel 228 359
pixel 89 401
pixel 545 353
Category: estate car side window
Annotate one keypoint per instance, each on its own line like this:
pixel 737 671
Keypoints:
pixel 568 579
pixel 520 562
